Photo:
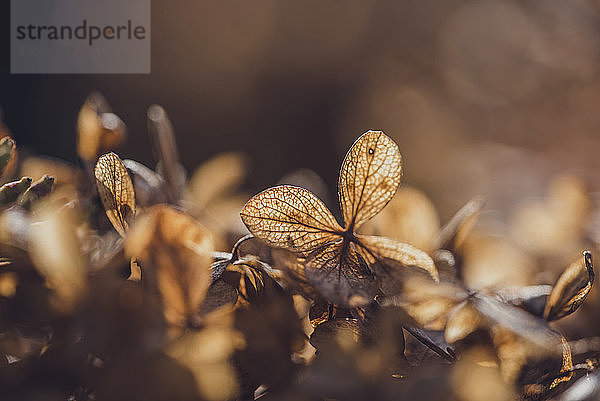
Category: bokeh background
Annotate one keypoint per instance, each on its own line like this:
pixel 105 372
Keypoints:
pixel 483 97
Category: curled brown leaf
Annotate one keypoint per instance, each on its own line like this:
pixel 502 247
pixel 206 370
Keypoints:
pixel 571 288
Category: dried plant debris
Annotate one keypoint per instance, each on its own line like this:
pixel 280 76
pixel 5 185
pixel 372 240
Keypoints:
pixel 180 302
pixel 340 263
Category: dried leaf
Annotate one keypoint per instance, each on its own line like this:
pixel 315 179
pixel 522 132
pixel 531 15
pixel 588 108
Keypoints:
pixel 116 191
pixel 247 277
pixel 219 294
pixel 291 218
pixel 337 260
pixel 174 252
pixel 433 306
pixel 369 177
pixel 135 270
pixel 571 289
pixel 7 148
pixel 11 191
pixel 37 190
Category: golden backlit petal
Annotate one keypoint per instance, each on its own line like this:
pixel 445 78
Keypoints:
pixel 397 254
pixel 571 289
pixel 290 217
pixel 116 191
pixel 369 177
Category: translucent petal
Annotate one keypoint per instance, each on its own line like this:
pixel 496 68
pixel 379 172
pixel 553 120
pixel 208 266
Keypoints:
pixel 116 191
pixel 369 177
pixel 290 217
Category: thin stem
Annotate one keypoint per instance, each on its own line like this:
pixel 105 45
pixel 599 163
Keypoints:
pixel 235 251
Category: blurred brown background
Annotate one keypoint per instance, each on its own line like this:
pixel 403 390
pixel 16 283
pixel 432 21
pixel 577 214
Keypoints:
pixel 490 97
